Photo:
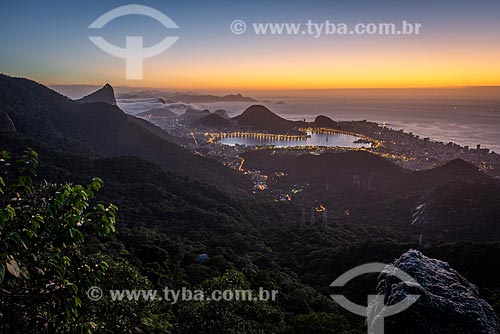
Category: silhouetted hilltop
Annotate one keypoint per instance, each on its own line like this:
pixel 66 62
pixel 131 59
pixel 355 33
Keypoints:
pixel 261 118
pixel 324 121
pixel 455 170
pixel 23 93
pixel 157 112
pixel 106 94
pixel 354 168
pixel 213 121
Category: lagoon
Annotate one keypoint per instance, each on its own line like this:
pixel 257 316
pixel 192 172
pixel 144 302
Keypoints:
pixel 313 139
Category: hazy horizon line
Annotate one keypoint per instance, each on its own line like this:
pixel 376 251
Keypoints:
pixel 268 89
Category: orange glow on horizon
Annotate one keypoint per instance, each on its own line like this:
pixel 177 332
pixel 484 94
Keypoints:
pixel 363 65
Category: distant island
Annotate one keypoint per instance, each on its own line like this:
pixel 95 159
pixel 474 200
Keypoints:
pixel 184 97
pixel 190 98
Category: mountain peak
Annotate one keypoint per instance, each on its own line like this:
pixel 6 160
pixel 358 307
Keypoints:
pixel 257 113
pixel 258 108
pixel 105 94
pixel 259 117
pixel 325 121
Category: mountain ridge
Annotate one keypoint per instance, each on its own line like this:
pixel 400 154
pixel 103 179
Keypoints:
pixel 103 129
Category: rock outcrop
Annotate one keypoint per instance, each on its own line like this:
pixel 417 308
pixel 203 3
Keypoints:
pixel 448 303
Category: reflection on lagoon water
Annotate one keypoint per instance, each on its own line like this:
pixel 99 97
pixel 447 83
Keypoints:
pixel 314 139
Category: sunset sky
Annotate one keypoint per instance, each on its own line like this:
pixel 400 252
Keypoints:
pixel 459 44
